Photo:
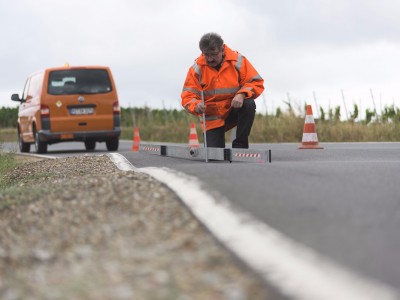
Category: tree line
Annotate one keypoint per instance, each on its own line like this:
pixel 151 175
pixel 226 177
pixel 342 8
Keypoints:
pixel 8 117
pixel 135 116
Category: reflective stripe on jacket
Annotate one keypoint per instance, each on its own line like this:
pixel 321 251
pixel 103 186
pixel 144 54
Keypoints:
pixel 236 75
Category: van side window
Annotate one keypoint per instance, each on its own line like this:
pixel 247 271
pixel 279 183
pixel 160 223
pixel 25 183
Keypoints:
pixel 79 81
pixel 26 87
pixel 35 86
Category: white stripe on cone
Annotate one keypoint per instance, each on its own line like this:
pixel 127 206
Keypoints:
pixel 309 119
pixel 310 137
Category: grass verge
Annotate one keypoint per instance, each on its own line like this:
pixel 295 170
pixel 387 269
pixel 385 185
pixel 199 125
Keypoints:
pixel 12 190
pixel 266 129
pixel 7 162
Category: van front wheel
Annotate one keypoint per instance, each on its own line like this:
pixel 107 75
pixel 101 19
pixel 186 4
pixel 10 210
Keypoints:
pixel 23 147
pixel 41 147
pixel 112 144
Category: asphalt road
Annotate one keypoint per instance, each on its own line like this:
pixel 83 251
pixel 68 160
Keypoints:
pixel 342 201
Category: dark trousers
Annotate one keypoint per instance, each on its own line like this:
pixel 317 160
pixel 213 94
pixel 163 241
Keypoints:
pixel 242 117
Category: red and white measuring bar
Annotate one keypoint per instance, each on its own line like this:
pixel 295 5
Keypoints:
pixel 198 153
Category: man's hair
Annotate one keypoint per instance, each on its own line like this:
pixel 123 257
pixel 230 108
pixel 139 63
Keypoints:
pixel 211 41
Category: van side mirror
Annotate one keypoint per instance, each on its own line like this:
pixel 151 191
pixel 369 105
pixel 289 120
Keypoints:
pixel 15 97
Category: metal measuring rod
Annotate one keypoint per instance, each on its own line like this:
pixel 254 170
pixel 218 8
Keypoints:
pixel 204 123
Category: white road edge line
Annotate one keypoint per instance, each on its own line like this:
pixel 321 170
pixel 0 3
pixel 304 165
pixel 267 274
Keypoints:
pixel 296 270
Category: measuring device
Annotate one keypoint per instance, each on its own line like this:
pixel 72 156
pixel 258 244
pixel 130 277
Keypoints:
pixel 221 154
pixel 204 124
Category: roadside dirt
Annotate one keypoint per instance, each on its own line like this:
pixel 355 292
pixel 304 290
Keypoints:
pixel 78 228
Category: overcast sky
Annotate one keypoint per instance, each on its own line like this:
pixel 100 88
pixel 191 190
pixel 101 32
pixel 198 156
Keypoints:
pixel 300 48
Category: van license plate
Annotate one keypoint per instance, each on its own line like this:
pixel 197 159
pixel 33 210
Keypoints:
pixel 81 111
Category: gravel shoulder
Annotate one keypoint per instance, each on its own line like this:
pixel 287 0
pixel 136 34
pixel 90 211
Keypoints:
pixel 79 228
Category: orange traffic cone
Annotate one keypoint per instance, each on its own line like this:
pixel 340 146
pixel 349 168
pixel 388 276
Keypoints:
pixel 310 138
pixel 193 140
pixel 136 140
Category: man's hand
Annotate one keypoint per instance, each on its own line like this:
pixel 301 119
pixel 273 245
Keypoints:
pixel 237 101
pixel 200 108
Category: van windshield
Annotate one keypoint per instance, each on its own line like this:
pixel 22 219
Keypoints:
pixel 79 81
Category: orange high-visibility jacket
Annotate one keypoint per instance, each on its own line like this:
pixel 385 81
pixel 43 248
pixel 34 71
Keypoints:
pixel 236 75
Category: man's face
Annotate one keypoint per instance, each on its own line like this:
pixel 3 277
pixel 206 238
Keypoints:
pixel 213 57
